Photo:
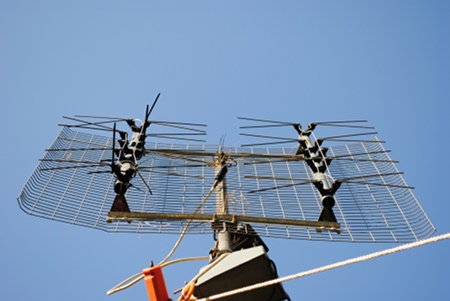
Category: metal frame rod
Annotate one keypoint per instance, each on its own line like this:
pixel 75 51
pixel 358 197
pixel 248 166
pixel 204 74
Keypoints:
pixel 229 218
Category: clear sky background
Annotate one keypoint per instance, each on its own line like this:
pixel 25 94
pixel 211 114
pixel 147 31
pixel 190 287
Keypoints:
pixel 301 61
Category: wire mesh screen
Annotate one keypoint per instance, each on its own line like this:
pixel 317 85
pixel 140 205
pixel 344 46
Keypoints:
pixel 72 184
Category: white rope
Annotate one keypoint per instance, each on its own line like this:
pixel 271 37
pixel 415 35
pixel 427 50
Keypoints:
pixel 204 270
pixel 186 227
pixel 328 267
pixel 139 276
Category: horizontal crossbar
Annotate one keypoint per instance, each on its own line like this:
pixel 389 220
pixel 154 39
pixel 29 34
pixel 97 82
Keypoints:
pixel 144 216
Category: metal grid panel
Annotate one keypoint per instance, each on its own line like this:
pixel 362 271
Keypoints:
pixel 65 188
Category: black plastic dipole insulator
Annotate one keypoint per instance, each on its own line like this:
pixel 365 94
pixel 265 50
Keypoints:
pixel 221 174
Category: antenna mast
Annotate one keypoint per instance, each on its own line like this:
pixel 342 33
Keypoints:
pixel 223 244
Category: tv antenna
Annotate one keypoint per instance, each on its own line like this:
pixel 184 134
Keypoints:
pixel 141 179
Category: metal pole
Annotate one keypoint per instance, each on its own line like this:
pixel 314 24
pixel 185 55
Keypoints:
pixel 223 238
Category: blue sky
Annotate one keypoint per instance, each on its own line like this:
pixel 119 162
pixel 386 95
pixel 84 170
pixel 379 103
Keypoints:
pixel 303 61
